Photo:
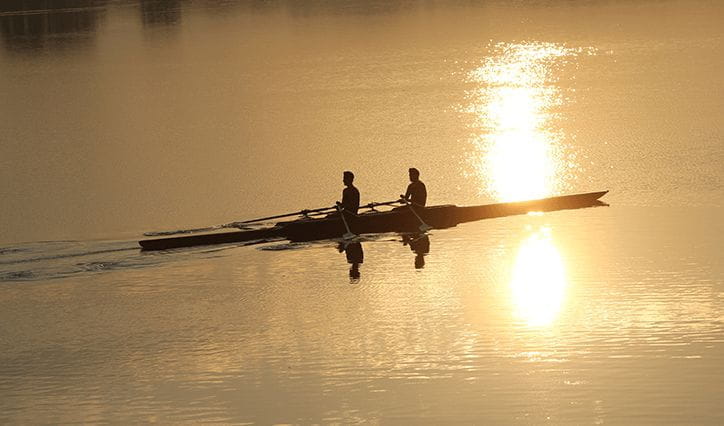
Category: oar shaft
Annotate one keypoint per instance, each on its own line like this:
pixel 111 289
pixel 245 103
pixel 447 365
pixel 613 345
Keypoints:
pixel 341 214
pixel 304 212
pixel 319 210
pixel 422 222
pixel 386 203
pixel 279 216
pixel 312 212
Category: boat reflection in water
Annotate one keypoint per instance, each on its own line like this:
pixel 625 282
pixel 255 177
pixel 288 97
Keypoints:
pixel 420 245
pixel 538 282
pixel 355 257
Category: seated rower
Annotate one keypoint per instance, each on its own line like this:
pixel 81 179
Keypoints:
pixel 416 191
pixel 350 194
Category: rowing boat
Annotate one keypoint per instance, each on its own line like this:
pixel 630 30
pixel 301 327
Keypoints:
pixel 401 219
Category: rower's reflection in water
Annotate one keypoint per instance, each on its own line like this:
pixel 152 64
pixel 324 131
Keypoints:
pixel 420 245
pixel 355 257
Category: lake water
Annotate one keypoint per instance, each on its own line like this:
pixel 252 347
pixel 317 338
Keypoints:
pixel 121 117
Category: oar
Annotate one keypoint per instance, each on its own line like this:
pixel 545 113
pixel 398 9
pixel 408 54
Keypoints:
pixel 238 224
pixel 306 212
pixel 279 216
pixel 424 227
pixel 349 235
pixel 372 205
pixel 312 212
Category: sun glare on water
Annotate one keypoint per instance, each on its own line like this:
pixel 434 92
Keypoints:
pixel 519 154
pixel 538 282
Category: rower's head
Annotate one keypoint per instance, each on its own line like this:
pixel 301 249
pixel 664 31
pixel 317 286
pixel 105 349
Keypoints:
pixel 348 178
pixel 414 174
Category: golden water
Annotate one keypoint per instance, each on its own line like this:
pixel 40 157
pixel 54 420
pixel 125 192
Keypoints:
pixel 129 116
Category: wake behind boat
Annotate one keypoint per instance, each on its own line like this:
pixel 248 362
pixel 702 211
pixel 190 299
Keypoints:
pixel 406 218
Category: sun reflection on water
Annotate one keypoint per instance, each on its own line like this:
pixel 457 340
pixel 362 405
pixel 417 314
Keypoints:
pixel 538 283
pixel 519 152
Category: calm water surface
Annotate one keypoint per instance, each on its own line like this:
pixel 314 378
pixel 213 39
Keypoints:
pixel 119 117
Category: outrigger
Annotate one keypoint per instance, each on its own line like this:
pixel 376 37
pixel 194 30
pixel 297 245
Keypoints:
pixel 318 224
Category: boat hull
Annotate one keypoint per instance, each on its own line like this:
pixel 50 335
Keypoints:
pixel 401 219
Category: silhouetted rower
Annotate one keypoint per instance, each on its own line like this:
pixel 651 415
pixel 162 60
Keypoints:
pixel 416 191
pixel 355 257
pixel 350 194
pixel 420 245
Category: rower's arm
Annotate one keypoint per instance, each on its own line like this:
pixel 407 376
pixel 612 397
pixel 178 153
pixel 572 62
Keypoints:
pixel 407 193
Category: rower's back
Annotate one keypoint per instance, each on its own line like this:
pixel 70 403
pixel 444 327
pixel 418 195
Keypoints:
pixel 416 190
pixel 350 194
pixel 350 199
